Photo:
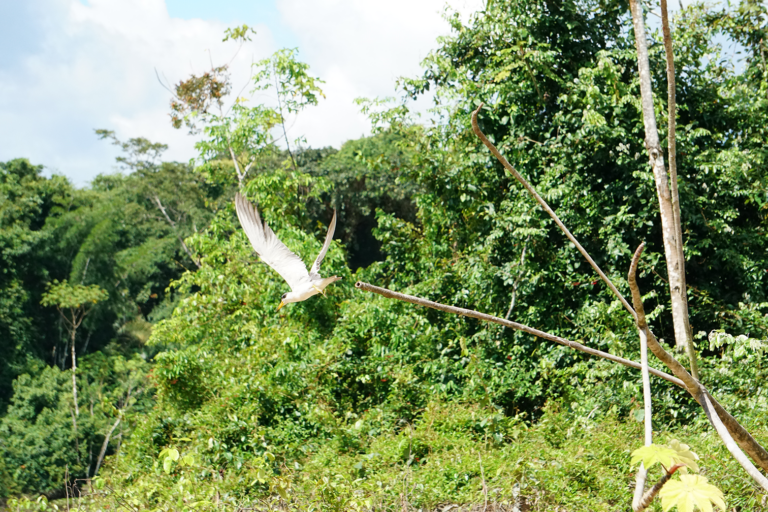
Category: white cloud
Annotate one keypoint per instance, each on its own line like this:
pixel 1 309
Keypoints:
pixel 360 48
pixel 71 67
pixel 94 67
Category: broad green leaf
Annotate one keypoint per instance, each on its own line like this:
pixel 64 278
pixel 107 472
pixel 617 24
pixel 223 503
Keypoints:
pixel 675 453
pixel 689 492
pixel 282 491
pixel 685 455
pixel 654 454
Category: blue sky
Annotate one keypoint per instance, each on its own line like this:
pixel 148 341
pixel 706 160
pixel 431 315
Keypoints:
pixel 71 66
pixel 236 12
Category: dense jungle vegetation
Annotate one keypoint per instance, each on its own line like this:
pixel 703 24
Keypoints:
pixel 195 394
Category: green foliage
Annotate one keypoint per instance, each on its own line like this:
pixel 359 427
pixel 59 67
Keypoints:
pixel 294 86
pixel 26 200
pixel 66 296
pixel 38 438
pixel 367 175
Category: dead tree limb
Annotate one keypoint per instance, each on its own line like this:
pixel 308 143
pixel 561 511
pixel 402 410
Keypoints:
pixel 702 396
pixel 160 206
pixel 512 325
pixel 739 433
pixel 546 207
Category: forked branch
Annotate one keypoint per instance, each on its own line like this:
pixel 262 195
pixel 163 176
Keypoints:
pixel 699 393
pixel 546 207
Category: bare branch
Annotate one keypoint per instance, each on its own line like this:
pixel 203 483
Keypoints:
pixel 546 207
pixel 646 499
pixel 521 269
pixel 240 175
pixel 104 445
pixel 722 431
pixel 178 236
pixel 512 325
pixel 731 429
pixel 166 87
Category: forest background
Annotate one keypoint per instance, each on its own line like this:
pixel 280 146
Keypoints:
pixel 193 393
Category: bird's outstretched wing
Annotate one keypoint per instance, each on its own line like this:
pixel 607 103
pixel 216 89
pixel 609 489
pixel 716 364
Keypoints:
pixel 266 244
pixel 328 238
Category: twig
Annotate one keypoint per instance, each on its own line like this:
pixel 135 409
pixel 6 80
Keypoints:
pixel 66 483
pixel 642 327
pixel 546 207
pixel 485 487
pixel 173 226
pixel 645 500
pixel 513 325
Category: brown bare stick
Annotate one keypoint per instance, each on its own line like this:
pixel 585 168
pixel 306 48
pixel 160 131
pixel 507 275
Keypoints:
pixel 729 430
pixel 642 327
pixel 512 325
pixel 645 501
pixel 546 207
pixel 674 196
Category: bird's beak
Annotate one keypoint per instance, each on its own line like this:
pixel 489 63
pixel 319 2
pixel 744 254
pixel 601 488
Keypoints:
pixel 281 305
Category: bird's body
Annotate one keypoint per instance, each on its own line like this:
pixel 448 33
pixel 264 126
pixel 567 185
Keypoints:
pixel 275 254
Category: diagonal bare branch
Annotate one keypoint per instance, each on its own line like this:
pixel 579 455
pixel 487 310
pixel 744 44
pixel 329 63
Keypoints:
pixel 744 439
pixel 547 209
pixel 512 325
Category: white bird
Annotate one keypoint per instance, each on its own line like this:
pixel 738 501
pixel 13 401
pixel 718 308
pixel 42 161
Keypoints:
pixel 275 254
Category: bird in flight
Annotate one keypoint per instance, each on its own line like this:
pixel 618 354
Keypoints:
pixel 275 254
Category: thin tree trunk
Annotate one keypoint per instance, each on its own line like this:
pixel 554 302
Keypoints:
pixel 74 377
pixel 104 446
pixel 672 155
pixel 175 230
pixel 672 250
pixel 517 281
pixel 282 120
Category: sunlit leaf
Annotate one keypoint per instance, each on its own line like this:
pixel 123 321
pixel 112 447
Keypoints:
pixel 689 492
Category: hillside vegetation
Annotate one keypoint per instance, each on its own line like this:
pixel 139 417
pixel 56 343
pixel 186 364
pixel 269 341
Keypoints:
pixel 194 393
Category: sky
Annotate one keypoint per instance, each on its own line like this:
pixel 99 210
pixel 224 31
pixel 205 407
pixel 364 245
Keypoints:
pixel 69 67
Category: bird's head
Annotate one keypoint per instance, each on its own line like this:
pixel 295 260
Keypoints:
pixel 282 301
